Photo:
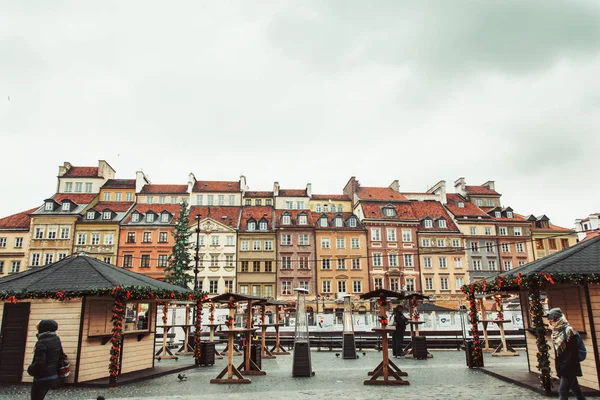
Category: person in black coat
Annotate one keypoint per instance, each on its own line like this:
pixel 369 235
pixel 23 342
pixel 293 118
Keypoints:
pixel 46 356
pixel 567 364
pixel 398 338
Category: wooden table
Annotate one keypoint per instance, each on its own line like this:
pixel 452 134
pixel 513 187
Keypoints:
pixel 213 328
pixel 414 331
pixel 248 366
pixel 386 368
pixel 504 349
pixel 264 350
pixel 278 348
pixel 164 351
pixel 233 373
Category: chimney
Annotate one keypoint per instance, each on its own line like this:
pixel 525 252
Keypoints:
pixel 395 186
pixel 243 186
pixel 460 186
pixel 351 187
pixel 62 170
pixel 490 185
pixel 275 189
pixel 439 189
pixel 105 170
pixel 191 182
pixel 309 189
pixel 140 181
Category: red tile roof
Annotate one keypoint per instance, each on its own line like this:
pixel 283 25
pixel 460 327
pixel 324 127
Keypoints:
pixel 480 190
pixel 256 212
pixel 590 235
pixel 119 184
pixel 231 214
pixel 374 210
pixel 164 189
pixel 216 186
pixel 76 198
pixel 379 193
pixel 156 208
pixel 82 172
pixel 116 206
pixel 552 228
pixel 469 210
pixel 434 210
pixel 292 193
pixel 341 197
pixel 17 221
pixel 258 194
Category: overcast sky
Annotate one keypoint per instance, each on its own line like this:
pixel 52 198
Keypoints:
pixel 307 91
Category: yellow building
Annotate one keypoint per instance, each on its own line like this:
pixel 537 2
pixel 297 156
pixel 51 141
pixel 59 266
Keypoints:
pixel 14 242
pixel 547 238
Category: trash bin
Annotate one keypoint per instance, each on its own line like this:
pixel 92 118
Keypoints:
pixel 254 354
pixel 207 353
pixel 471 362
pixel 419 347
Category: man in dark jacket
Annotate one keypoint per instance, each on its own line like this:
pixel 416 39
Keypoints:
pixel 568 367
pixel 400 321
pixel 46 356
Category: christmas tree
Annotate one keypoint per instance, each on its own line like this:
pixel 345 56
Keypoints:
pixel 180 260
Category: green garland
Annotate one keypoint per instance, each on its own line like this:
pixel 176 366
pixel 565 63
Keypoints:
pixel 197 333
pixel 537 318
pixel 116 337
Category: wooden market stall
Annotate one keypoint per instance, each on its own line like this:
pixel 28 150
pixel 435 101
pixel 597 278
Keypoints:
pixel 568 279
pixel 106 317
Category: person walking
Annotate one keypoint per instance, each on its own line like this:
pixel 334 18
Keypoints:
pixel 398 338
pixel 46 356
pixel 566 350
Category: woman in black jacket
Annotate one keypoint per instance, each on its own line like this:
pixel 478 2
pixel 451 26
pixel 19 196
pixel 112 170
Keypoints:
pixel 46 356
pixel 568 367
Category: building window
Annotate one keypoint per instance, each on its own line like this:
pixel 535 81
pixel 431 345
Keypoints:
pixel 18 242
pixel 410 284
pixel 52 233
pixel 49 258
pixel 268 291
pixel 256 245
pixel 78 187
pixel 408 260
pixel 492 265
pixel 340 243
pixel 304 285
pixel 489 247
pixel 147 237
pixel 503 231
pixel 286 240
pixel 255 266
pixel 106 260
pixel 341 263
pixel 68 187
pixel 473 230
pixel 302 220
pixel 338 222
pixel 231 199
pixel 552 244
pixel 318 208
pixel 300 205
pixel 118 196
pixel 393 260
pixel 262 225
pixel 520 248
pixel 211 201
pixel 65 233
pixel 455 243
pixel 229 260
pixel 377 260
pixel 130 237
pixel 229 286
pixel 428 283
pixel 229 240
pixel 213 285
pixel 326 286
pixel 244 266
pixel 564 243
pixel 517 231
pixel 326 263
pixel 145 261
pixel 268 266
pixel 443 283
pixel 443 263
pixel 289 205
pixel 61 256
pixel 149 217
pixel 88 187
pixel 95 239
pixel 357 286
pixel 426 262
pixel 128 196
pixel 428 223
pixel 521 263
pixel 341 286
pixel 356 263
pixel 251 226
pixel 497 214
pixel 127 261
pixel 164 217
pixel 457 262
pixel 459 283
pixel 539 244
pixel 15 266
pixel 355 243
pixel 268 202
pixel 325 243
pixel 135 217
pixel 286 220
pixel 243 289
pixel 286 262
pixel 376 234
pixel 268 245
pixel 441 223
pixel 49 206
pixel 504 247
pixel 352 222
pixel 303 239
pixel 474 247
pixel 214 240
pixel 378 283
pixel 509 214
pixel 391 235
pixel 394 284
pixel 477 265
pixel 406 235
pixel 325 208
pixel 198 199
pixel 163 237
pixel 441 243
pixel 323 222
pixel 426 243
pixel 389 212
pixel 507 265
pixel 39 233
pixel 488 231
pixel 221 199
pixel 66 206
pixel 214 260
pixel 479 202
pixel 286 288
pixel 162 260
pixel 109 239
pixel 35 259
pixel 303 262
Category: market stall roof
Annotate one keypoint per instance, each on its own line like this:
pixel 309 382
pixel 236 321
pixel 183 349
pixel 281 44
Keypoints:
pixel 272 302
pixel 225 297
pixel 378 293
pixel 428 307
pixel 82 274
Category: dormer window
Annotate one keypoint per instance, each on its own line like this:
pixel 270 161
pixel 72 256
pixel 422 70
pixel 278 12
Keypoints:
pixel 441 223
pixel 352 222
pixel 164 217
pixel 509 214
pixel 389 212
pixel 135 217
pixel 497 214
pixel 302 220
pixel 150 218
pixel 461 204
pixel 286 220
pixel 338 222
pixel 49 206
pixel 107 215
pixel 66 206
pixel 262 225
pixel 252 226
pixel 323 222
pixel 91 215
pixel 428 223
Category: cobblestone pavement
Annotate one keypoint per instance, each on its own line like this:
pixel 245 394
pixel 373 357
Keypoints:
pixel 443 377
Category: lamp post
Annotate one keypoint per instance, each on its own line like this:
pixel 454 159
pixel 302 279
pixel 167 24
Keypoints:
pixel 197 257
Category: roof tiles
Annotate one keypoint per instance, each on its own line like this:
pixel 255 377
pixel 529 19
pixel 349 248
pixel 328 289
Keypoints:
pixel 164 189
pixel 379 193
pixel 17 221
pixel 216 186
pixel 81 172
